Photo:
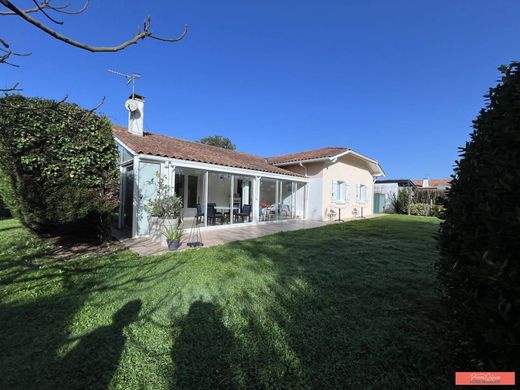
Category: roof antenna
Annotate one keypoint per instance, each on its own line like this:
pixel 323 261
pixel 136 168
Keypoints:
pixel 130 77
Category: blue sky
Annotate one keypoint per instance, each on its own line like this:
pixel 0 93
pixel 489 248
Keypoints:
pixel 399 81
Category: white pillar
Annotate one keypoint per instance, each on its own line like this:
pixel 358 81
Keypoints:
pixel 231 191
pixel 135 202
pixel 205 197
pixel 256 199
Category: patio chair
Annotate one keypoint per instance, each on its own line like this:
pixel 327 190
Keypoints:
pixel 213 214
pixel 200 213
pixel 246 212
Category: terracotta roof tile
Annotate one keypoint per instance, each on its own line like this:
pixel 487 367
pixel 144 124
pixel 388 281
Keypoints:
pixel 308 155
pixel 161 145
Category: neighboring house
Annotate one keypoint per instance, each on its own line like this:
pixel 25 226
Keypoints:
pixel 386 190
pixel 234 187
pixel 432 184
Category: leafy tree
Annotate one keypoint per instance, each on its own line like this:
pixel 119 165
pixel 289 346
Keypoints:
pixel 58 168
pixel 480 238
pixel 218 140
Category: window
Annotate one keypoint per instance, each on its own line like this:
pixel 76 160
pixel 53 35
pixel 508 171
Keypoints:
pixel 361 193
pixel 340 191
pixel 124 155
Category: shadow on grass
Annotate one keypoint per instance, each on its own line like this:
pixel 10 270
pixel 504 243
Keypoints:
pixel 203 350
pixel 94 360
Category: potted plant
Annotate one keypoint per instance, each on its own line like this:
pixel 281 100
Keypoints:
pixel 164 211
pixel 173 237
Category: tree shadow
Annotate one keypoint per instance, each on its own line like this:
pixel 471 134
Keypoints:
pixel 94 360
pixel 203 351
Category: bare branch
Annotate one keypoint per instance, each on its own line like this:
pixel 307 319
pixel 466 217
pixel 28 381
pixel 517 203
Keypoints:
pixel 14 88
pixel 47 4
pixel 141 35
pixel 7 53
pixel 63 9
pixel 46 14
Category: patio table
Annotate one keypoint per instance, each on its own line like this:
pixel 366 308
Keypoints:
pixel 225 210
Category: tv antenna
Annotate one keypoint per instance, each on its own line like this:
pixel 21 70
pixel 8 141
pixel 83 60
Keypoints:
pixel 130 78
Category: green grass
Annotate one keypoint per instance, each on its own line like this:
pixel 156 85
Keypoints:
pixel 354 305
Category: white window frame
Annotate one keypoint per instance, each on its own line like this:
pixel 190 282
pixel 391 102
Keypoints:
pixel 362 193
pixel 340 191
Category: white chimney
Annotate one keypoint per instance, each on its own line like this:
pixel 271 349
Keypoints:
pixel 135 107
pixel 425 183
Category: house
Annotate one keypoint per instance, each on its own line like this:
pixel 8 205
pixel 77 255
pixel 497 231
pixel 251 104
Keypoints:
pixel 386 190
pixel 432 184
pixel 235 187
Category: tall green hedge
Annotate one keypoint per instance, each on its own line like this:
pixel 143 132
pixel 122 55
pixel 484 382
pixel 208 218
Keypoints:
pixel 480 238
pixel 57 167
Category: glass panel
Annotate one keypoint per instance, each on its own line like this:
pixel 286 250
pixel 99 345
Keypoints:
pixel 147 190
pixel 124 155
pixel 193 182
pixel 128 198
pixel 286 206
pixel 242 199
pixel 300 201
pixel 179 187
pixel 268 209
pixel 219 198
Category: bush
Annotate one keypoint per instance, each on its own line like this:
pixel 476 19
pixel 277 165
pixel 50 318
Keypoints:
pixel 58 169
pixel 422 209
pixel 400 202
pixel 480 237
pixel 438 211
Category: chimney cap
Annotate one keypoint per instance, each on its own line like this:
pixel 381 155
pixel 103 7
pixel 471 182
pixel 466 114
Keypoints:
pixel 136 96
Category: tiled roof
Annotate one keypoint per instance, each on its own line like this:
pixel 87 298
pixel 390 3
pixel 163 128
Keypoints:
pixel 308 155
pixel 161 145
pixel 432 183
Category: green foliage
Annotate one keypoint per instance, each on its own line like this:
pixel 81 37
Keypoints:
pixel 422 209
pixel 58 167
pixel 218 140
pixel 438 211
pixel 165 204
pixel 400 202
pixel 173 233
pixel 480 238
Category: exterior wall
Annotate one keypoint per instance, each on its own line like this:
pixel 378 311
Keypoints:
pixel 354 172
pixel 349 169
pixel 390 191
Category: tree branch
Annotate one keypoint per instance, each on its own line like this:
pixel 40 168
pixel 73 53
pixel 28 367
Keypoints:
pixel 40 6
pixel 14 88
pixel 46 14
pixel 139 36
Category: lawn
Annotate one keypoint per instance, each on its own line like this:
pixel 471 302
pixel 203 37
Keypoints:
pixel 353 305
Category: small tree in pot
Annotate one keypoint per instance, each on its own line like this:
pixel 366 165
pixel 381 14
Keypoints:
pixel 164 210
pixel 173 237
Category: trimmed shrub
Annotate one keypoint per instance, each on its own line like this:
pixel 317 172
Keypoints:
pixel 422 209
pixel 480 237
pixel 58 167
pixel 400 202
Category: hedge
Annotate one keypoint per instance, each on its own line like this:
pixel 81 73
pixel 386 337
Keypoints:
pixel 480 238
pixel 58 167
